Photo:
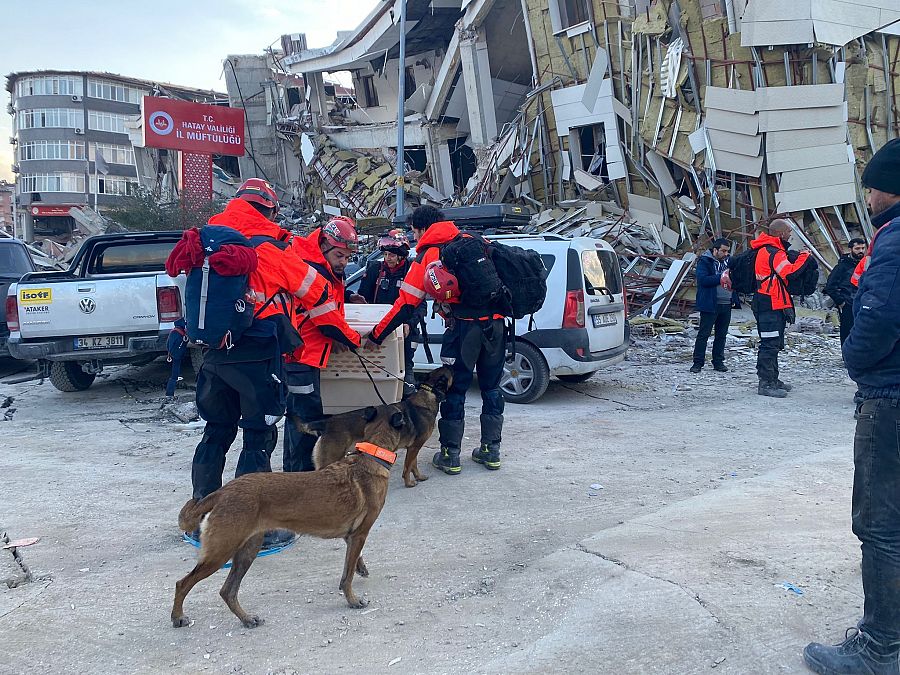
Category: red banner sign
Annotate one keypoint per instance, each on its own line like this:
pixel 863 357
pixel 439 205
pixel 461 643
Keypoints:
pixel 193 127
pixel 51 210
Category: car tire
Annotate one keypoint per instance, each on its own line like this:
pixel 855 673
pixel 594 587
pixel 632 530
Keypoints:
pixel 526 375
pixel 575 379
pixel 196 355
pixel 68 376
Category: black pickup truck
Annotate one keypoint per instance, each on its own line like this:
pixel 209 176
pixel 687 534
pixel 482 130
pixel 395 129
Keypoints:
pixel 15 261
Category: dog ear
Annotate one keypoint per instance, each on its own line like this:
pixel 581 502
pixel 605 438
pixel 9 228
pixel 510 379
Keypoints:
pixel 398 421
pixel 370 413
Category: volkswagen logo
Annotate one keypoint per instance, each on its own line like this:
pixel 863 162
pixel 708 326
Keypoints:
pixel 87 305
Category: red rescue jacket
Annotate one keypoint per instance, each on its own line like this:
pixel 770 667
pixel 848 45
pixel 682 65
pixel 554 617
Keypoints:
pixel 772 278
pixel 278 274
pixel 320 325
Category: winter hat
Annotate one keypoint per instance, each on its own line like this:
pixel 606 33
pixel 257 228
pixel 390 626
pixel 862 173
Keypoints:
pixel 883 171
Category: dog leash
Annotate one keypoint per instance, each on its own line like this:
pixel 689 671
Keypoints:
pixel 369 375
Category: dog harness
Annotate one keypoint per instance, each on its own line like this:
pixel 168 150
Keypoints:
pixel 382 454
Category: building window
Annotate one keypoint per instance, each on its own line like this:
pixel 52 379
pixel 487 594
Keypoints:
pixel 52 182
pixel 50 85
pixel 567 13
pixel 120 186
pixel 369 94
pixel 104 121
pixel 409 82
pixel 111 91
pixel 51 150
pixel 70 118
pixel 112 154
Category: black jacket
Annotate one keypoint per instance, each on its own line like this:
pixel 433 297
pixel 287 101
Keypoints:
pixel 838 286
pixel 381 285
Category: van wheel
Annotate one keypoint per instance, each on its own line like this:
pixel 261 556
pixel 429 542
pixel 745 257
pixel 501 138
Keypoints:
pixel 68 376
pixel 525 375
pixel 196 355
pixel 575 379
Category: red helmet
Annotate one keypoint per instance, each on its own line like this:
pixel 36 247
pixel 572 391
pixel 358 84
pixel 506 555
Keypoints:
pixel 440 283
pixel 258 191
pixel 395 242
pixel 340 232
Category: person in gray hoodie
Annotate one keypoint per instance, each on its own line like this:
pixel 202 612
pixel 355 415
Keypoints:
pixel 714 304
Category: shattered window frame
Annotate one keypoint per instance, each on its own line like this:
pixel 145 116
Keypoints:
pixel 369 92
pixel 117 186
pixel 561 12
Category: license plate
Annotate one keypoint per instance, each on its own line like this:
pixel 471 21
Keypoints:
pixel 608 319
pixel 100 342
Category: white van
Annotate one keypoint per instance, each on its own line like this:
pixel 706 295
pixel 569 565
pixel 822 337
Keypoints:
pixel 580 329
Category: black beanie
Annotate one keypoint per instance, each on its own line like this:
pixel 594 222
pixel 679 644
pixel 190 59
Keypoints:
pixel 883 171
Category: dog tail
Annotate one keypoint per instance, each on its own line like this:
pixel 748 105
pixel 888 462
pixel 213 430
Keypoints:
pixel 314 428
pixel 194 510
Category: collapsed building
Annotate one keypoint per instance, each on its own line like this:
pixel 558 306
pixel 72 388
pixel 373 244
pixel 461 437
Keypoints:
pixel 655 125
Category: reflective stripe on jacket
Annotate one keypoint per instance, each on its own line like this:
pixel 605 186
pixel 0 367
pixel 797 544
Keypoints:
pixel 772 271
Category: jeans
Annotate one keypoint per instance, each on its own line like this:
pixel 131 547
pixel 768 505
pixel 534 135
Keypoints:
pixel 478 345
pixel 304 401
pixel 876 515
pixel 846 314
pixel 720 320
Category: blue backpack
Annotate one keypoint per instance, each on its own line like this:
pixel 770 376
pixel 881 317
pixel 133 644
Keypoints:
pixel 216 309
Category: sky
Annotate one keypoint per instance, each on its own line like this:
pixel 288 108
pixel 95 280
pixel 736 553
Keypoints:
pixel 177 41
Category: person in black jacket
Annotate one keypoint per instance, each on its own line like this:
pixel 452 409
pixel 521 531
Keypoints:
pixel 839 288
pixel 714 304
pixel 381 285
pixel 872 356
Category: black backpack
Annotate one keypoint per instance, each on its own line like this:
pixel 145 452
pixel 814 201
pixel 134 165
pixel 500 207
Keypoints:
pixel 524 275
pixel 804 281
pixel 742 270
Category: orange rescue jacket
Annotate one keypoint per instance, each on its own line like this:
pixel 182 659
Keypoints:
pixel 772 272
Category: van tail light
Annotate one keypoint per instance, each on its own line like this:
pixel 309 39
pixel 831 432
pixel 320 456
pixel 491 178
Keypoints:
pixel 573 315
pixel 625 300
pixel 12 313
pixel 168 304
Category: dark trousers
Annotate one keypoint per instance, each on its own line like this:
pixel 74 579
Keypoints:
pixel 478 345
pixel 846 317
pixel 304 400
pixel 876 515
pixel 409 352
pixel 720 320
pixel 770 325
pixel 232 395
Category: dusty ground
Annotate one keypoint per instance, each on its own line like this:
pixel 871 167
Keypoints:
pixel 711 498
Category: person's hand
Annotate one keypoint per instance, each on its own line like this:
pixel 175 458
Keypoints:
pixel 406 330
pixel 369 344
pixel 725 280
pixel 357 299
pixel 338 347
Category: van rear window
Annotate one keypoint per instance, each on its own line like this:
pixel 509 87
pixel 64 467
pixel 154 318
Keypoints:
pixel 130 257
pixel 601 271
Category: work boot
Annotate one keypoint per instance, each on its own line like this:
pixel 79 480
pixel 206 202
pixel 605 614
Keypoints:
pixel 783 385
pixel 277 539
pixel 858 654
pixel 771 389
pixel 696 369
pixel 447 460
pixel 720 367
pixel 488 455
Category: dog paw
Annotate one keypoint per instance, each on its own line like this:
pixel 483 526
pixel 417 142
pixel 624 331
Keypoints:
pixel 359 603
pixel 410 482
pixel 252 621
pixel 181 622
pixel 421 477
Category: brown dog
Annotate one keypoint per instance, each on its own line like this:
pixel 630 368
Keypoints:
pixel 342 500
pixel 340 433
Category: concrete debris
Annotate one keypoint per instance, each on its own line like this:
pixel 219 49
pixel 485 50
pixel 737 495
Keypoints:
pixel 183 412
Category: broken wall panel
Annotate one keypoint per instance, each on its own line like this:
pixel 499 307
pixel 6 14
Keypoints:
pixel 803 200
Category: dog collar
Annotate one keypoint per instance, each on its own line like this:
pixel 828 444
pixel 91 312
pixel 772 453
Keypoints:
pixel 378 453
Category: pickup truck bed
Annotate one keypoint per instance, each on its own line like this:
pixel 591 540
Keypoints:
pixel 114 304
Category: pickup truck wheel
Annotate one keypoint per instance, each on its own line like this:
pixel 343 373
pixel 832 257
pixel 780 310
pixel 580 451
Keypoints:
pixel 68 376
pixel 526 375
pixel 575 379
pixel 196 360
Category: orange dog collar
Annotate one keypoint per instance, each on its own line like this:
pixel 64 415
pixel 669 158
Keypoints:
pixel 383 454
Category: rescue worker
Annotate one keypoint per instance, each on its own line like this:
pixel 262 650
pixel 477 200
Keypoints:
pixel 381 285
pixel 323 329
pixel 839 287
pixel 872 355
pixel 241 386
pixel 468 343
pixel 772 305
